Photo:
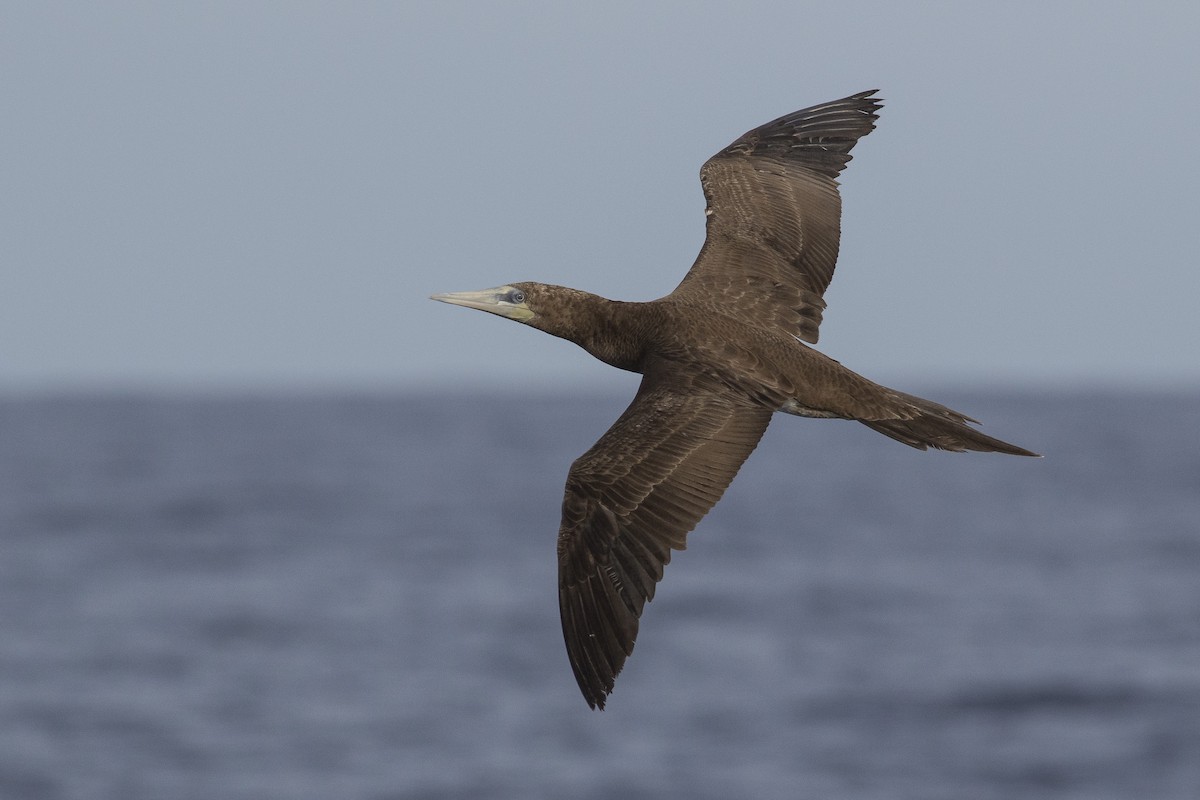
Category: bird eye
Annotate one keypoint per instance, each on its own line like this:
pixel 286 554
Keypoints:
pixel 516 297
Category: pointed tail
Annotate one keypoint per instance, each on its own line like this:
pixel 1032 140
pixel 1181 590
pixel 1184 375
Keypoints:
pixel 942 428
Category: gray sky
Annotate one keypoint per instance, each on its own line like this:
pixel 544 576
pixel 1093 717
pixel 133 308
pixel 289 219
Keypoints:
pixel 255 194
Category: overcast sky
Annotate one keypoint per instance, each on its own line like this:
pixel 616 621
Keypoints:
pixel 259 194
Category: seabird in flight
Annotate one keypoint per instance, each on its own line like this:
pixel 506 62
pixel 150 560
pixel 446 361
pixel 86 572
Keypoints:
pixel 718 357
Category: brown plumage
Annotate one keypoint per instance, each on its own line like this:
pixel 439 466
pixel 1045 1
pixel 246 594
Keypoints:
pixel 718 356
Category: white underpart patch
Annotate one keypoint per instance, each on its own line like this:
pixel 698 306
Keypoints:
pixel 792 407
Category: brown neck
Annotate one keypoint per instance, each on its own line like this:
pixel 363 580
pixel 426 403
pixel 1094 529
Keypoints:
pixel 612 331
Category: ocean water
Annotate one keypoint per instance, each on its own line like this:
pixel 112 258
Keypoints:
pixel 354 597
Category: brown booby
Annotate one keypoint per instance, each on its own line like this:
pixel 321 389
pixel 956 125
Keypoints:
pixel 718 357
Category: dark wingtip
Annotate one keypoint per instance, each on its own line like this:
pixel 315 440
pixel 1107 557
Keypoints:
pixel 872 105
pixel 594 696
pixel 819 137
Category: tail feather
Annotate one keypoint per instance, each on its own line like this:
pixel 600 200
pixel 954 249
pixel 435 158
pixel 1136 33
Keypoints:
pixel 942 428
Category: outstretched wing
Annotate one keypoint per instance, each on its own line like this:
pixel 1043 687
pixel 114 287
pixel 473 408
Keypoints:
pixel 774 216
pixel 633 498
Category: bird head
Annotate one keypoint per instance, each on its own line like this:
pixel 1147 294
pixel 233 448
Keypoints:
pixel 570 314
pixel 510 301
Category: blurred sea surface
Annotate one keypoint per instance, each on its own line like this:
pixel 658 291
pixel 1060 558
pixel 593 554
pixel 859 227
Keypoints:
pixel 314 597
